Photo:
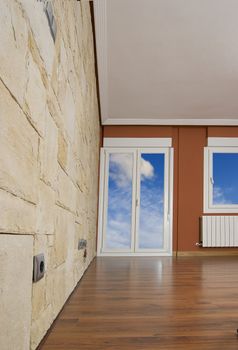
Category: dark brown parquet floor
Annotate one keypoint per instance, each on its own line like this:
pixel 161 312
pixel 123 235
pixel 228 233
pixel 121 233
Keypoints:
pixel 151 303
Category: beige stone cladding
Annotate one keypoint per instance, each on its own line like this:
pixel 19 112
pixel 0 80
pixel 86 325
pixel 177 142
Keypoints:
pixel 49 155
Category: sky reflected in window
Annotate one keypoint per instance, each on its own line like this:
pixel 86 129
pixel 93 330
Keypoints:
pixel 119 210
pixel 118 230
pixel 225 177
pixel 151 223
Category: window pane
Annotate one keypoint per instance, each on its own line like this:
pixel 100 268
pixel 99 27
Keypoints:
pixel 151 225
pixel 118 230
pixel 225 177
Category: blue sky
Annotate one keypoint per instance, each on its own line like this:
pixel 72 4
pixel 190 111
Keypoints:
pixel 118 230
pixel 152 204
pixel 120 201
pixel 225 177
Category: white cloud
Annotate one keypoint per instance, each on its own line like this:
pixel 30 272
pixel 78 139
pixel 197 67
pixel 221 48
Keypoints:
pixel 219 196
pixel 119 218
pixel 151 228
pixel 120 198
pixel 147 169
pixel 118 234
pixel 121 166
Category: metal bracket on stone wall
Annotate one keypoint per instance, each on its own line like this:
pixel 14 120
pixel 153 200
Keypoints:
pixel 48 8
pixel 82 244
pixel 38 267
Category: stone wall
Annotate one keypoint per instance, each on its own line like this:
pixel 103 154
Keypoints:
pixel 49 154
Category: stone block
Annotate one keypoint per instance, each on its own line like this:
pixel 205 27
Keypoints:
pixel 41 246
pixel 60 73
pixel 63 60
pixel 19 150
pixel 13 48
pixel 51 240
pixel 78 233
pixel 61 235
pixel 40 326
pixel 58 83
pixel 80 205
pixel 45 210
pixel 73 75
pixel 16 254
pixel 77 145
pixel 35 97
pixel 51 257
pixel 49 287
pixel 35 13
pixel 16 215
pixel 38 298
pixel 62 151
pixel 66 191
pixel 49 152
pixel 81 180
pixel 72 165
pixel 54 108
pixel 69 112
pixel 58 293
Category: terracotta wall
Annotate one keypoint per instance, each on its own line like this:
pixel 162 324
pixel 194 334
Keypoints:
pixel 188 143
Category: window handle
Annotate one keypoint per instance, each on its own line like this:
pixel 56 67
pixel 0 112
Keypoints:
pixel 212 181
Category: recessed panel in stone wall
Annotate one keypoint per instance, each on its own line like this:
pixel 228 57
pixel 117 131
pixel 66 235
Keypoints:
pixel 15 291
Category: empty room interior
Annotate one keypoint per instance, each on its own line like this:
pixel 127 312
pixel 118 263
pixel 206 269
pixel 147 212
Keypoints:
pixel 118 174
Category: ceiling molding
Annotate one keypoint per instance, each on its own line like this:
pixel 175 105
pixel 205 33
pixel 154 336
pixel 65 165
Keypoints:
pixel 100 11
pixel 130 121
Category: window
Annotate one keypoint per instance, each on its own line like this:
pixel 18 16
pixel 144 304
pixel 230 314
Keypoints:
pixel 135 211
pixel 221 180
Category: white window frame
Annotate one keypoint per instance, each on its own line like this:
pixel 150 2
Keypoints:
pixel 209 207
pixel 137 142
pixel 167 209
pixel 103 224
pixel 128 144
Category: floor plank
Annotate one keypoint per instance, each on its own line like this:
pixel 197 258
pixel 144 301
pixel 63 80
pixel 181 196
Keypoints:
pixel 151 303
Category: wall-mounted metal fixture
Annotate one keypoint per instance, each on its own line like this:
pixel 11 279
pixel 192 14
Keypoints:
pixel 82 244
pixel 85 253
pixel 48 8
pixel 38 267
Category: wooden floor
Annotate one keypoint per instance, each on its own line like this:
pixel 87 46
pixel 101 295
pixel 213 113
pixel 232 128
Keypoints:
pixel 151 303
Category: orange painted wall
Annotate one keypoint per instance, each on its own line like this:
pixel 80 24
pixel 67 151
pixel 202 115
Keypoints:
pixel 192 141
pixel 137 131
pixel 227 131
pixel 188 143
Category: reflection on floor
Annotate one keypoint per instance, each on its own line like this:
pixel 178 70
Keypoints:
pixel 151 303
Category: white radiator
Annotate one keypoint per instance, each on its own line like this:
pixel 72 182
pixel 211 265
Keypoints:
pixel 219 231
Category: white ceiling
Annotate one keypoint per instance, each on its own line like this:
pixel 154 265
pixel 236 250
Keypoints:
pixel 168 61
